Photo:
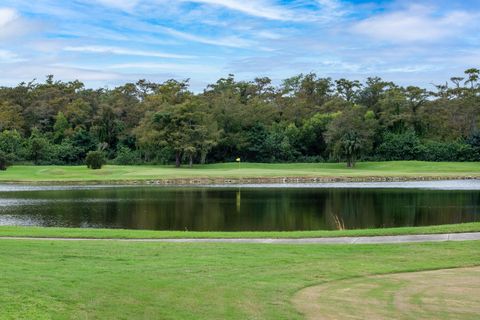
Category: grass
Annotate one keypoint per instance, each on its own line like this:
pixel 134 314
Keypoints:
pixel 439 294
pixel 119 280
pixel 15 231
pixel 111 173
pixel 128 280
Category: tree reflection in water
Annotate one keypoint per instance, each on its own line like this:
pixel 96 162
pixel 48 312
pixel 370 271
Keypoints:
pixel 234 209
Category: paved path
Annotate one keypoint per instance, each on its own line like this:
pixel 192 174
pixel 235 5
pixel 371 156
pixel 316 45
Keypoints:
pixel 337 240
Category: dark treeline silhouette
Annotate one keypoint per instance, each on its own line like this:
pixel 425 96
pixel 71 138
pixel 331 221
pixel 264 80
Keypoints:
pixel 304 119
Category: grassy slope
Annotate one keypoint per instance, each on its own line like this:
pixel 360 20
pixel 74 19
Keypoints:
pixel 15 231
pixel 111 280
pixel 247 170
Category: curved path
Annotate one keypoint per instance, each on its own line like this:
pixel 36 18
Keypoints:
pixel 438 294
pixel 338 240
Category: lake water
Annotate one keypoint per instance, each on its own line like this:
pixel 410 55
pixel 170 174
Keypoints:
pixel 245 207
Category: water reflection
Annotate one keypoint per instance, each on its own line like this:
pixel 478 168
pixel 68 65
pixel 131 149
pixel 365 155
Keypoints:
pixel 230 209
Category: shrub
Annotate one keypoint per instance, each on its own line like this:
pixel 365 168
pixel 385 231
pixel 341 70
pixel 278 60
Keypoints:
pixel 40 150
pixel 66 153
pixel 310 159
pixel 474 142
pixel 446 151
pixel 127 156
pixel 95 160
pixel 13 145
pixel 4 161
pixel 401 146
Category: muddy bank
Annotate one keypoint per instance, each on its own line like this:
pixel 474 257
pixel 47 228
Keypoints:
pixel 234 181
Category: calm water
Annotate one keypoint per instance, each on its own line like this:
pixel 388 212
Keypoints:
pixel 291 207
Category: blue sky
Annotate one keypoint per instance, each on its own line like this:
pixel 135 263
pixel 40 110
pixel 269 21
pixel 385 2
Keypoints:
pixel 109 42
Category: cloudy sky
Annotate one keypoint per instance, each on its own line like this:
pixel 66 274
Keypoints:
pixel 109 42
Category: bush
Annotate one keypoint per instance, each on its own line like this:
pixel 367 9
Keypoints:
pixel 95 160
pixel 310 159
pixel 4 161
pixel 126 156
pixel 66 153
pixel 474 142
pixel 446 151
pixel 13 145
pixel 401 146
pixel 40 150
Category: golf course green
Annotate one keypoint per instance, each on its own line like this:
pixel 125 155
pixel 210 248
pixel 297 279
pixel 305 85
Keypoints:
pixel 214 172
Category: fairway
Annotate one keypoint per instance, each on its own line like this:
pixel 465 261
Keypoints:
pixel 119 280
pixel 216 173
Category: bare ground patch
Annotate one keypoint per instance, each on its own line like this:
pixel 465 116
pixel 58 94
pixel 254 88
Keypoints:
pixel 439 294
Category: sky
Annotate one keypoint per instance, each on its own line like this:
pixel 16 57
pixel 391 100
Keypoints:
pixel 105 43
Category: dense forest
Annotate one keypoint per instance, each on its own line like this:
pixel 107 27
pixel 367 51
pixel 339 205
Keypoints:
pixel 304 119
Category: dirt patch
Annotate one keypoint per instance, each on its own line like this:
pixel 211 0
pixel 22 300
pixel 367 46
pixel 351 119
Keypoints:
pixel 440 294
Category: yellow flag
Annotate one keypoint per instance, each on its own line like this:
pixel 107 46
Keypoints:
pixel 238 160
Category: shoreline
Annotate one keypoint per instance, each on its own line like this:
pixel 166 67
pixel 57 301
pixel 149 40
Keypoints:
pixel 238 181
pixel 102 233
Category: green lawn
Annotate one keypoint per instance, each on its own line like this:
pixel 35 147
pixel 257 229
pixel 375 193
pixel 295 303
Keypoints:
pixel 119 280
pixel 112 173
pixel 14 231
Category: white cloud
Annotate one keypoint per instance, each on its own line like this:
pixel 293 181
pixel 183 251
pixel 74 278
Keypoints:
pixel 230 41
pixel 124 51
pixel 410 69
pixel 28 71
pixel 171 67
pixel 7 15
pixel 7 56
pixel 256 8
pixel 417 23
pixel 268 35
pixel 272 10
pixel 330 4
pixel 125 5
pixel 11 24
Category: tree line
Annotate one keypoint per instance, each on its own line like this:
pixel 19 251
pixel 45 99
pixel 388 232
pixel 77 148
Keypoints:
pixel 306 118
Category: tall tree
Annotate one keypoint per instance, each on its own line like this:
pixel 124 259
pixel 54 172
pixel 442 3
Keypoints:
pixel 351 134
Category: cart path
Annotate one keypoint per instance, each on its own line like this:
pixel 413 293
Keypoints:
pixel 337 240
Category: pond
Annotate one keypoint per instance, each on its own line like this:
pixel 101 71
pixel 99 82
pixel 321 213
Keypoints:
pixel 244 207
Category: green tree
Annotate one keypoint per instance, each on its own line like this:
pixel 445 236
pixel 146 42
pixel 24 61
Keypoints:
pixel 60 127
pixel 171 129
pixel 13 145
pixel 186 129
pixel 350 134
pixel 108 126
pixel 311 138
pixel 347 89
pixel 59 122
pixel 11 117
pixel 125 156
pixel 40 149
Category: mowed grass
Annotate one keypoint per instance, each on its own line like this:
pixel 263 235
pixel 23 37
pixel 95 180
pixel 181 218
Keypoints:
pixel 245 170
pixel 19 231
pixel 120 280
